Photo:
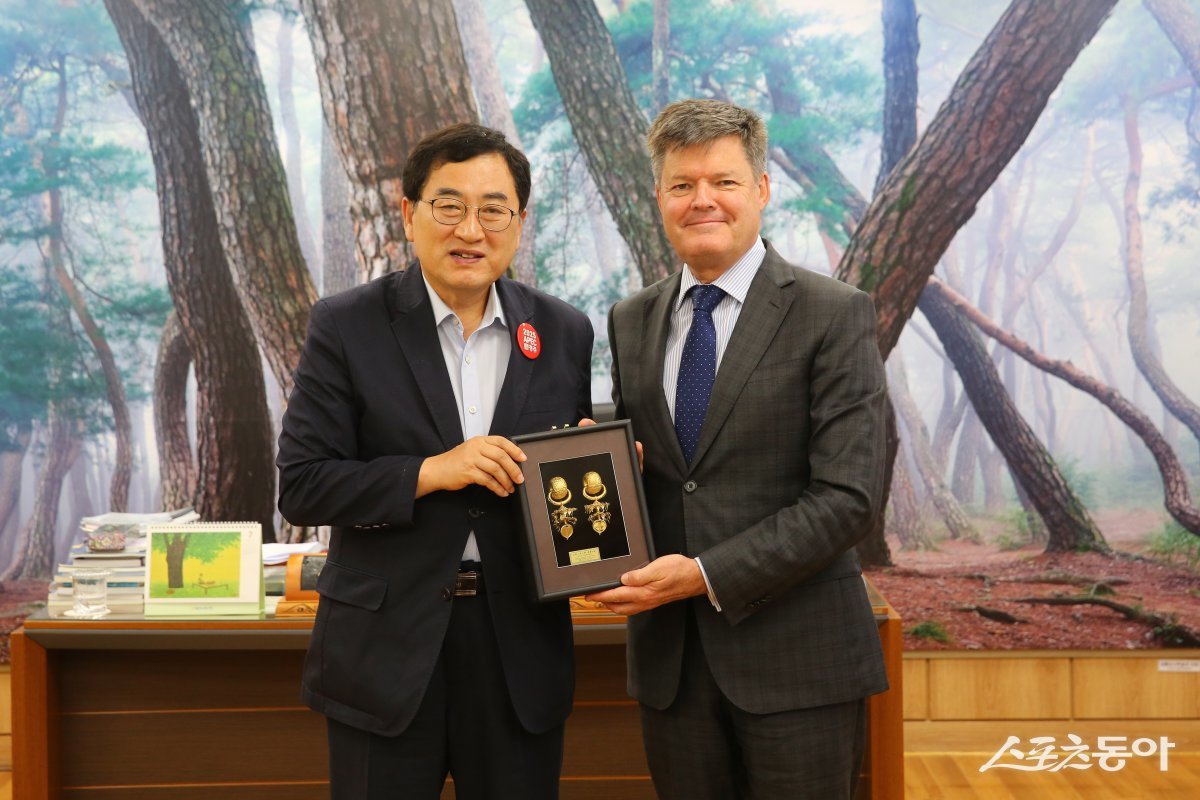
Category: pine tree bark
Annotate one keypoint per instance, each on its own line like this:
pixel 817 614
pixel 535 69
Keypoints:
pixel 338 272
pixel 660 54
pixel 212 47
pixel 607 124
pixel 1174 475
pixel 496 113
pixel 1144 355
pixel 901 44
pixel 235 477
pixel 966 457
pixel 1180 22
pixel 390 73
pixel 957 524
pixel 177 473
pixel 989 113
pixel 904 521
pixel 15 436
pixel 1069 526
pixel 35 556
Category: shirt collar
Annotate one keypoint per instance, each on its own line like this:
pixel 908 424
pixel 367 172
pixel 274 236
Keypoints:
pixel 493 312
pixel 734 281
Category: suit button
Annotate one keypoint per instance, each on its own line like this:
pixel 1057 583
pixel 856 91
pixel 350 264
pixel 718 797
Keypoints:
pixel 447 594
pixel 474 513
pixel 690 487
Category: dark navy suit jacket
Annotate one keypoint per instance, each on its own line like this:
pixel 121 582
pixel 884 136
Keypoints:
pixel 371 401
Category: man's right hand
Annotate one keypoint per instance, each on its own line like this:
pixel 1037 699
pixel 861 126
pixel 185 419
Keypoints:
pixel 489 461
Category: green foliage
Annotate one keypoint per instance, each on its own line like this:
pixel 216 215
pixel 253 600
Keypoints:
pixel 931 630
pixel 63 64
pixel 31 351
pixel 1172 542
pixel 1016 534
pixel 743 52
pixel 1082 482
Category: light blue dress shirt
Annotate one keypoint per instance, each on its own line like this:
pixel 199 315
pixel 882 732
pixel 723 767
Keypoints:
pixel 476 366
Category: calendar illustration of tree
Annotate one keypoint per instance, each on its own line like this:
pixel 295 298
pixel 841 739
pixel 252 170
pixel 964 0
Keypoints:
pixel 196 564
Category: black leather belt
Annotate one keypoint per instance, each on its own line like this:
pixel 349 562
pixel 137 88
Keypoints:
pixel 469 581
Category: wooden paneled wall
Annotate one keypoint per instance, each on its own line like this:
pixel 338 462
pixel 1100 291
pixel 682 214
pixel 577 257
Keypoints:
pixel 1079 685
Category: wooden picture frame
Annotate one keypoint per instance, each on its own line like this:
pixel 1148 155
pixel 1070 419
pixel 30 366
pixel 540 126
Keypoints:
pixel 583 508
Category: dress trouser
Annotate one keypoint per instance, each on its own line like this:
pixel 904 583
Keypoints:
pixel 703 747
pixel 465 727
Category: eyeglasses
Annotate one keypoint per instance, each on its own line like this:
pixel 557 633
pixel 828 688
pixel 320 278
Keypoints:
pixel 492 217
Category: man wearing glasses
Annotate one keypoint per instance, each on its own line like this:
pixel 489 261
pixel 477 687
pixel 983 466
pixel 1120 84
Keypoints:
pixel 428 655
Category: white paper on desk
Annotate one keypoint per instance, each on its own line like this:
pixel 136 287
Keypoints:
pixel 276 553
pixel 125 518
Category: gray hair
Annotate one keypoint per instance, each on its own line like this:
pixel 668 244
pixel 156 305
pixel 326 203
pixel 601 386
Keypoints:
pixel 690 122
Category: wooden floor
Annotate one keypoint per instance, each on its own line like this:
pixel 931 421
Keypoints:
pixel 942 761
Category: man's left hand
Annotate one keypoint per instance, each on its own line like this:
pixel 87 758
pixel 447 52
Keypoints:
pixel 663 580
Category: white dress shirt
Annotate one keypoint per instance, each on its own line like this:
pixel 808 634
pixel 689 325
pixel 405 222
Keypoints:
pixel 476 366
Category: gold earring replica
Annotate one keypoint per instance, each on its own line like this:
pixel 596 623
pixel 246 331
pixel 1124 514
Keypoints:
pixel 598 513
pixel 562 517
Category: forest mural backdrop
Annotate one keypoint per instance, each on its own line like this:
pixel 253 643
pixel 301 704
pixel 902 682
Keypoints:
pixel 1015 184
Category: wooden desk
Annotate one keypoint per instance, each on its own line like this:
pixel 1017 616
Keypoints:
pixel 136 709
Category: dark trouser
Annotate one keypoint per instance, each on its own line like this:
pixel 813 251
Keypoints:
pixel 705 748
pixel 465 727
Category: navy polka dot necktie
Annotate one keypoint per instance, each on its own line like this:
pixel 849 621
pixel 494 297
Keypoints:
pixel 697 369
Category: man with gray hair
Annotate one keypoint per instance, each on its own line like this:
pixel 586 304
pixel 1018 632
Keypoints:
pixel 758 392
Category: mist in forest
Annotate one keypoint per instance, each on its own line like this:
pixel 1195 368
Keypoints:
pixel 1082 248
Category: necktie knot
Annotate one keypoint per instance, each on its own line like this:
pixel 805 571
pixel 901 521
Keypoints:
pixel 705 297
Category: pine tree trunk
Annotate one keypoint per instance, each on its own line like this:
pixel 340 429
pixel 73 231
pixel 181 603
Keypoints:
pixel 177 472
pixel 211 46
pixel 904 518
pixel 15 436
pixel 900 47
pixel 338 272
pixel 989 113
pixel 36 556
pixel 966 457
pixel 1140 323
pixel 1174 475
pixel 840 205
pixel 495 113
pixel 901 97
pixel 293 162
pixel 959 527
pixel 1180 22
pixel 390 73
pixel 1068 524
pixel 607 124
pixel 54 215
pixel 660 54
pixel 235 477
pixel 950 416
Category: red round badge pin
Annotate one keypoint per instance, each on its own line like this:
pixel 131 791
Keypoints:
pixel 529 341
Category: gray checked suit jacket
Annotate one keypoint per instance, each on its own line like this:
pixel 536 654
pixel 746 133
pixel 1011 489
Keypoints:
pixel 787 477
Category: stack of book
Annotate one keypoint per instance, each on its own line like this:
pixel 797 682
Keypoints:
pixel 126 566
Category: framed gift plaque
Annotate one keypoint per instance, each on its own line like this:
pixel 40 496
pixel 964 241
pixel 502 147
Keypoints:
pixel 584 508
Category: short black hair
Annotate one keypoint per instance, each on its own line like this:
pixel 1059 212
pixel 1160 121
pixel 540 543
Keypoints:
pixel 462 142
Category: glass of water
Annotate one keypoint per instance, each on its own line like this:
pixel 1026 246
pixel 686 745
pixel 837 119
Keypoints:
pixel 90 594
